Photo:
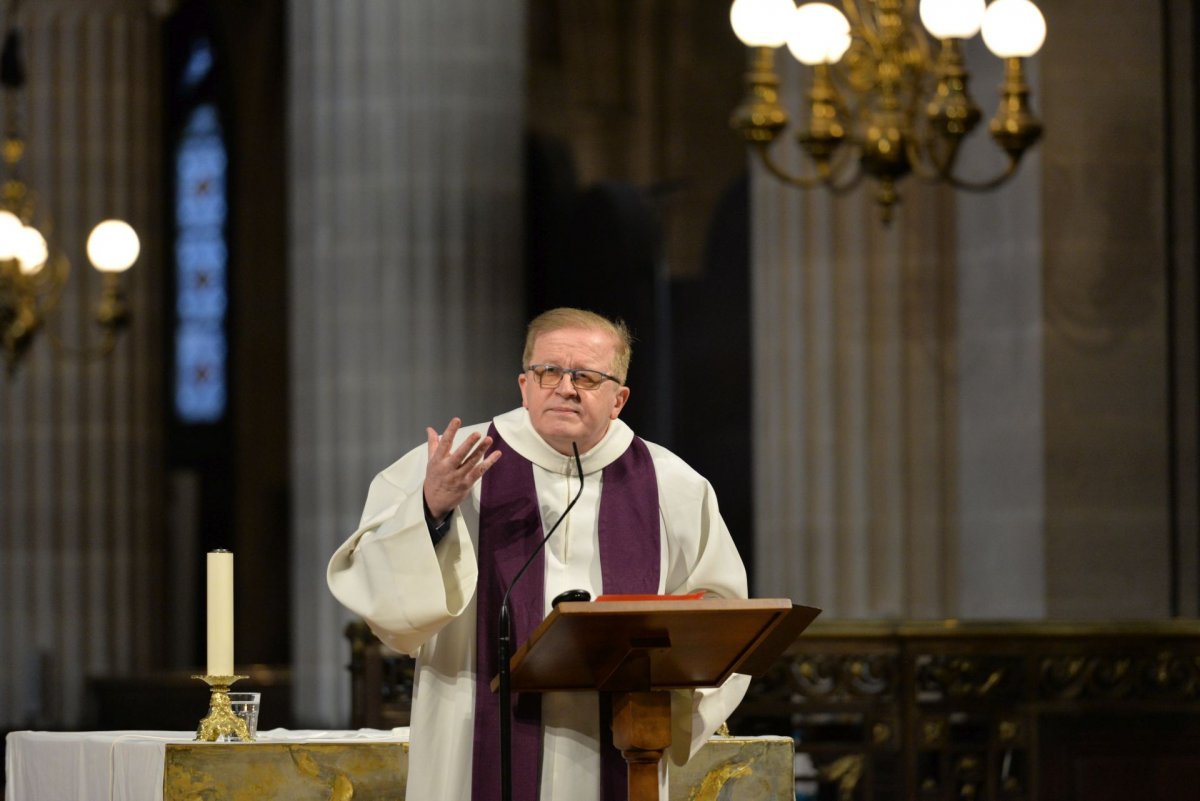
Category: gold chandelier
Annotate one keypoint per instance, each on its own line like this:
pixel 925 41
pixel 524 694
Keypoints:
pixel 880 93
pixel 33 270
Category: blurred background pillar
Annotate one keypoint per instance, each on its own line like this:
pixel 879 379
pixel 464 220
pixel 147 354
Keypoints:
pixel 406 278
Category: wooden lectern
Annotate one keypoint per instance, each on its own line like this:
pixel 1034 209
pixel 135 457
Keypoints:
pixel 640 650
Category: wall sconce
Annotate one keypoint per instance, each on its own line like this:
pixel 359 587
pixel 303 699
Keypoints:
pixel 33 270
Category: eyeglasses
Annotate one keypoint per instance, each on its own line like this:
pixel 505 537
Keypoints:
pixel 550 376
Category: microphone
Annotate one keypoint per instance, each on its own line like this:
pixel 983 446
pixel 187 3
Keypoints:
pixel 504 643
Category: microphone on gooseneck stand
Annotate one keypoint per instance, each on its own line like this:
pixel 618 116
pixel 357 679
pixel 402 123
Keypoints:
pixel 504 643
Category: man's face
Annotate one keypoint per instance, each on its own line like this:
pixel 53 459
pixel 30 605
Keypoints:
pixel 565 414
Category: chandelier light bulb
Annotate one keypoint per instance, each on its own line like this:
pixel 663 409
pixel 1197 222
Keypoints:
pixel 10 232
pixel 952 19
pixel 113 246
pixel 1013 28
pixel 761 23
pixel 31 250
pixel 820 34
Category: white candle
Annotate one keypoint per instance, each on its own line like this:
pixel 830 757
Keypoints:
pixel 220 613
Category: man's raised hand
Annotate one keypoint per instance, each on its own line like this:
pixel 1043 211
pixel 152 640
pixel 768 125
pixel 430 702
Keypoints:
pixel 450 475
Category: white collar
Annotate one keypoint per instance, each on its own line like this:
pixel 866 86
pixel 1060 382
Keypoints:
pixel 517 430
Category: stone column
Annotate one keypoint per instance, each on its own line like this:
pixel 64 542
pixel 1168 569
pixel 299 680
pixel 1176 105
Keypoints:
pixel 406 296
pixel 865 470
pixel 1000 470
pixel 1107 345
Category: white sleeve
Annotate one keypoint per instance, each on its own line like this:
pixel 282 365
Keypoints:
pixel 696 715
pixel 388 570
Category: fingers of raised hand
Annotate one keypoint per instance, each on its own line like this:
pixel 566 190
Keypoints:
pixel 484 464
pixel 459 465
pixel 440 443
pixel 446 440
pixel 467 455
pixel 451 474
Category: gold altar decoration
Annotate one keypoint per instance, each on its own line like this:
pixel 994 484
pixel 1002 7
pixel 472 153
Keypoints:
pixel 315 771
pixel 725 769
pixel 736 769
pixel 220 722
pixel 881 103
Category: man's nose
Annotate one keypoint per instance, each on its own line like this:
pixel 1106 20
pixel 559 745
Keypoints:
pixel 566 386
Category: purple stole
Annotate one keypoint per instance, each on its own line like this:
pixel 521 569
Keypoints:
pixel 510 528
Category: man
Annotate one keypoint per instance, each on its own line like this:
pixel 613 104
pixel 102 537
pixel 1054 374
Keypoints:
pixel 447 526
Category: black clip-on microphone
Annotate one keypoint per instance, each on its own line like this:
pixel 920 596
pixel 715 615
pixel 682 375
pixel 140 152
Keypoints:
pixel 504 643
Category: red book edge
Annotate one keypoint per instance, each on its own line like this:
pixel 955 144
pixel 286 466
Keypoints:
pixel 691 596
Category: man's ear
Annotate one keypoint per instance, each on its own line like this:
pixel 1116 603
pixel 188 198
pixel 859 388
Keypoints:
pixel 521 379
pixel 619 401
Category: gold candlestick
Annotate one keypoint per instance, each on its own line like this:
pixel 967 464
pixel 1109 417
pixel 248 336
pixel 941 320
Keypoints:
pixel 220 720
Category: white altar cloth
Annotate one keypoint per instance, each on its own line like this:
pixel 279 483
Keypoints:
pixel 122 765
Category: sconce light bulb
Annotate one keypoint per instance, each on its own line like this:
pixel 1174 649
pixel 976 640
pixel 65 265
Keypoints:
pixel 113 246
pixel 761 23
pixel 952 19
pixel 1013 28
pixel 31 250
pixel 818 34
